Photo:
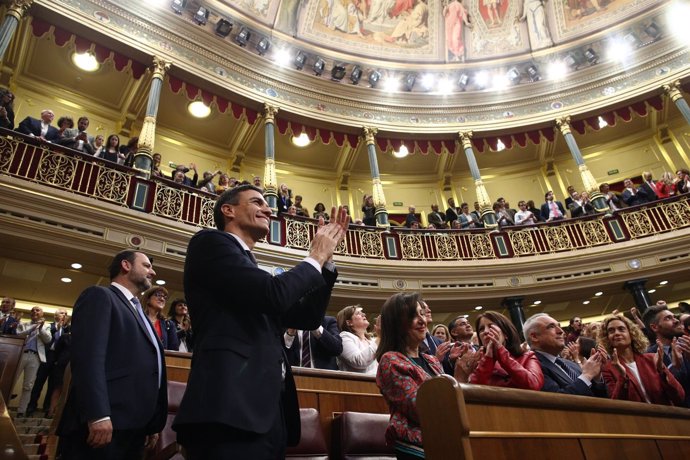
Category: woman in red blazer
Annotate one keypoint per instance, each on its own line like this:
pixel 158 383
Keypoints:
pixel 402 369
pixel 501 361
pixel 631 374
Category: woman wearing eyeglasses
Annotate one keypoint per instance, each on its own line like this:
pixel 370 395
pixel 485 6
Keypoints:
pixel 153 301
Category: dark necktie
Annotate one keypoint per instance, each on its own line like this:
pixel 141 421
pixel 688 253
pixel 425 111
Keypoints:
pixel 251 256
pixel 567 369
pixel 306 351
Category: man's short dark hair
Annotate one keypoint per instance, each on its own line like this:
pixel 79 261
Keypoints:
pixel 82 119
pixel 116 264
pixel 230 196
pixel 684 307
pixel 547 193
pixel 650 316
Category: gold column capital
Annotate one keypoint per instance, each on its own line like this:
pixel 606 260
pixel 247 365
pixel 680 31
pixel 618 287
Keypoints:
pixel 160 67
pixel 18 8
pixel 465 138
pixel 370 134
pixel 672 90
pixel 563 124
pixel 270 112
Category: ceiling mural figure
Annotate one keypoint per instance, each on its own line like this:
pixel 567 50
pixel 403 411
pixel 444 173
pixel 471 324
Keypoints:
pixel 534 13
pixel 493 11
pixel 496 31
pixel 456 19
pixel 288 15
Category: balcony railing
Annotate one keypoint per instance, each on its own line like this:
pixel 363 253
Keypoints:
pixel 54 166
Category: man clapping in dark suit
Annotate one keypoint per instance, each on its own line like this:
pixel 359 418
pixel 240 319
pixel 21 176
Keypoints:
pixel 40 128
pixel 241 400
pixel 317 348
pixel 545 336
pixel 118 398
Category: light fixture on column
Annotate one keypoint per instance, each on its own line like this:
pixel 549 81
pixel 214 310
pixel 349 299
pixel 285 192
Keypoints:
pixel 591 56
pixel 463 81
pixel 409 81
pixel 533 73
pixel 374 77
pixel 318 67
pixel 338 72
pixel 300 60
pixel 201 16
pixel 178 6
pixel 223 28
pixel 263 46
pixel 243 36
pixel 356 74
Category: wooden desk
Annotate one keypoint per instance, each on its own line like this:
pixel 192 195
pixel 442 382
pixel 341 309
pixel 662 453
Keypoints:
pixel 10 446
pixel 466 422
pixel 10 355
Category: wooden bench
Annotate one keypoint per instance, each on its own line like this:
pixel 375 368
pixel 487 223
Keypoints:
pixel 466 422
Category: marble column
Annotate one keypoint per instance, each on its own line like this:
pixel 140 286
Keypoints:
pixel 596 197
pixel 517 314
pixel 143 158
pixel 673 91
pixel 640 295
pixel 270 179
pixel 14 14
pixel 377 192
pixel 485 204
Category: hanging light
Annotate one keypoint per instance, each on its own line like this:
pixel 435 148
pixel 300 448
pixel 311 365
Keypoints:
pixel 198 109
pixel 86 61
pixel 302 140
pixel 402 152
pixel 602 122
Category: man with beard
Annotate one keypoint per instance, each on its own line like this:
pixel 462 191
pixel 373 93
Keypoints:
pixel 118 398
pixel 659 320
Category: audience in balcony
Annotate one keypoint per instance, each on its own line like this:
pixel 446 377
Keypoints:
pixel 256 181
pixel 536 212
pixel 467 219
pixel 320 211
pixel 612 199
pixel 503 217
pixel 501 361
pixel 580 205
pixel 64 123
pixel 284 198
pixel 682 181
pixel 98 145
pixel 359 349
pixel 569 198
pixel 111 151
pixel 411 216
pixel 551 210
pixel 546 338
pixel 156 166
pixel 129 151
pixel 179 175
pixel 368 210
pixel 153 301
pixel 649 186
pixel 633 196
pixel 524 216
pixel 301 209
pixel 42 128
pixel 179 315
pixel 631 374
pixel 665 187
pixel 223 184
pixel 77 138
pixel 206 183
pixel 402 370
pixel 6 109
pixel 477 213
pixel 436 218
pixel 452 212
pixel 292 210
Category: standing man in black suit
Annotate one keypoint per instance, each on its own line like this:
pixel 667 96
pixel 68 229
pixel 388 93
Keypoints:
pixel 545 336
pixel 551 210
pixel 316 349
pixel 118 398
pixel 42 128
pixel 241 400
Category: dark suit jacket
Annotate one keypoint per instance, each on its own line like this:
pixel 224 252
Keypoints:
pixel 555 381
pixel 545 210
pixel 650 192
pixel 323 350
pixel 169 338
pixel 114 368
pixel 240 312
pixel 451 215
pixel 640 197
pixel 33 126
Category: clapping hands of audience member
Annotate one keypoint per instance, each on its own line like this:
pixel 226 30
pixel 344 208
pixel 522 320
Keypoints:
pixel 329 235
pixel 466 361
pixel 574 349
pixel 620 368
pixel 494 342
pixel 682 344
pixel 659 356
pixel 591 368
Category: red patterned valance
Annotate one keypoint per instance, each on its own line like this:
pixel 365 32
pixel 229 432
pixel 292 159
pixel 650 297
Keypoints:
pixel 62 37
pixel 326 135
pixel 194 93
pixel 641 108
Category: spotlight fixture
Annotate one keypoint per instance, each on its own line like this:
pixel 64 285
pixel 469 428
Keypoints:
pixel 356 74
pixel 77 266
pixel 374 77
pixel 243 37
pixel 571 61
pixel 463 81
pixel 444 86
pixel 160 282
pixel 428 81
pixel 178 6
pixel 481 79
pixel 409 81
pixel 338 72
pixel 533 73
pixel 319 65
pixel 201 16
pixel 513 76
pixel 557 70
pixel 632 40
pixel 591 56
pixel 653 31
pixel 300 60
pixel 223 28
pixel 263 46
